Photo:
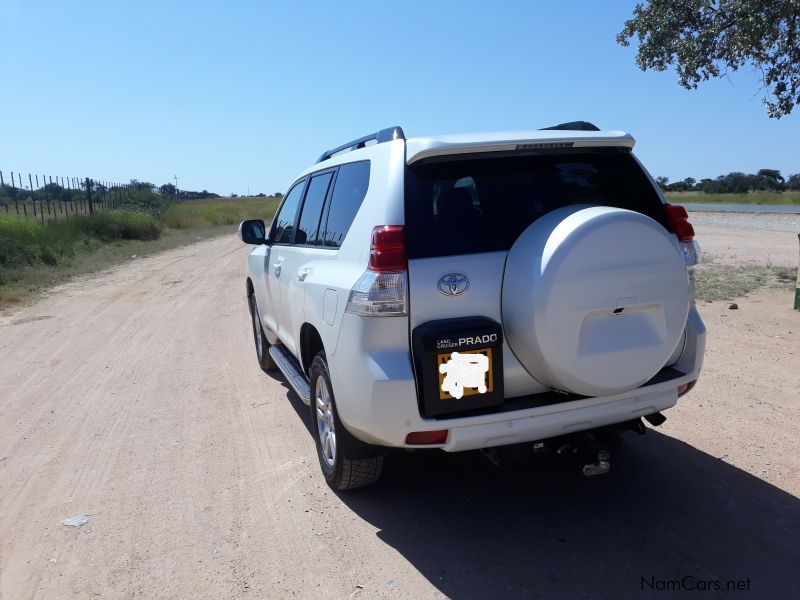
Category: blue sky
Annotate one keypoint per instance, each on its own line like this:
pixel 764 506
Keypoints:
pixel 238 95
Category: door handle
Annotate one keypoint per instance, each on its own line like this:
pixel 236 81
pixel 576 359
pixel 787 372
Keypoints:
pixel 303 273
pixel 276 267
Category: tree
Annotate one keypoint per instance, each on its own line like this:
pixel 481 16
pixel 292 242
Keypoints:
pixel 793 182
pixel 708 38
pixel 168 190
pixel 663 183
pixel 736 182
pixel 771 179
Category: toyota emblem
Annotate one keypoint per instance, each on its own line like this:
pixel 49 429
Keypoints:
pixel 453 284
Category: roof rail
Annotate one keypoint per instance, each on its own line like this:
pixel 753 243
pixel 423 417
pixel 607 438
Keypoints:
pixel 384 135
pixel 575 126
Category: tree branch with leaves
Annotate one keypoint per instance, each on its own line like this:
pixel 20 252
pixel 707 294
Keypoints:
pixel 705 39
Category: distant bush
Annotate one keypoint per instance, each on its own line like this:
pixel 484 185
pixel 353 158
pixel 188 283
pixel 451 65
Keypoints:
pixel 736 182
pixel 110 226
pixel 29 242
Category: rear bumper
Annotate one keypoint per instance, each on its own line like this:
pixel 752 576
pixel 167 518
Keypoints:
pixel 377 400
pixel 566 418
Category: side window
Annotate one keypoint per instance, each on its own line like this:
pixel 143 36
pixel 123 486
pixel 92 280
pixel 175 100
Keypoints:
pixel 283 225
pixel 348 194
pixel 308 228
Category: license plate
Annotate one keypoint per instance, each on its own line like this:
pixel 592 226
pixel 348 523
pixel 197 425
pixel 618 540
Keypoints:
pixel 465 373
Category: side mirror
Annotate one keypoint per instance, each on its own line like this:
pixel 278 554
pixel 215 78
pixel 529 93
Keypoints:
pixel 253 232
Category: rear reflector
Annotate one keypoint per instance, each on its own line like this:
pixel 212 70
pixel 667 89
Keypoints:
pixel 388 249
pixel 678 221
pixel 685 387
pixel 427 437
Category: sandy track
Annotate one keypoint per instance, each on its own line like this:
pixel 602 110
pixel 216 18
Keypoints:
pixel 134 397
pixel 744 238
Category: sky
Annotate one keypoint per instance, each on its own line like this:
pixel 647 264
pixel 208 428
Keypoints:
pixel 239 97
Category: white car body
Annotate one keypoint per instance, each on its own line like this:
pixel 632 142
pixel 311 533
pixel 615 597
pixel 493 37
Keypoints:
pixel 302 295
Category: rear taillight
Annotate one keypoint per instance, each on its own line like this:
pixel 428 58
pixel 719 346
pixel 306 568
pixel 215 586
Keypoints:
pixel 678 223
pixel 382 290
pixel 388 249
pixel 678 220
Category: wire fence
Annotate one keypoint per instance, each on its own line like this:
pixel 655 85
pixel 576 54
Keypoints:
pixel 54 197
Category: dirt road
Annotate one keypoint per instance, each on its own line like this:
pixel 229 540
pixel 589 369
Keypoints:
pixel 134 398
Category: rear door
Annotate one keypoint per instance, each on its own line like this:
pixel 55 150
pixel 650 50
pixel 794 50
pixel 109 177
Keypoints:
pixel 300 258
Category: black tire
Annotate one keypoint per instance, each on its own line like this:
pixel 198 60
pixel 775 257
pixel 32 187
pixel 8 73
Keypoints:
pixel 353 463
pixel 262 345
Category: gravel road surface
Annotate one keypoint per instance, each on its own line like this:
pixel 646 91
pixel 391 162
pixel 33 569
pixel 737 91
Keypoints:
pixel 741 238
pixel 133 398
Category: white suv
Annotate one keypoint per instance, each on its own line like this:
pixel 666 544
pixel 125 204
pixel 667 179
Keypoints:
pixel 473 291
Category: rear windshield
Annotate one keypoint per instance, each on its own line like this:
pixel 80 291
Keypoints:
pixel 483 204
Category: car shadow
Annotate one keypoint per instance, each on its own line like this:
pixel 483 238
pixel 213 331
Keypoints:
pixel 535 528
pixel 668 520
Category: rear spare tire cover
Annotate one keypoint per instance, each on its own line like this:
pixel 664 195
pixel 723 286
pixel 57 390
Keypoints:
pixel 595 299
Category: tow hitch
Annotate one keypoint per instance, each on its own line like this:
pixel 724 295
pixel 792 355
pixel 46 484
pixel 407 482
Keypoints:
pixel 600 467
pixel 594 456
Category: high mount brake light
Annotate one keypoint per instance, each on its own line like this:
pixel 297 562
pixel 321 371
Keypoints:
pixel 388 249
pixel 678 220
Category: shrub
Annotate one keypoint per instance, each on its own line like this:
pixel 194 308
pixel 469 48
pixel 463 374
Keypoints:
pixel 26 242
pixel 111 226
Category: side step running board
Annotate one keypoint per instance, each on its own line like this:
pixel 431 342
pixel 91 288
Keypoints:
pixel 292 370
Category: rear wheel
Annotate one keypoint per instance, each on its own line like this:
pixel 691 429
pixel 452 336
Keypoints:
pixel 343 470
pixel 262 345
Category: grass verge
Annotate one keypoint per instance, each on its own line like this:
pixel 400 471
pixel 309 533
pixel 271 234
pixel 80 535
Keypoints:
pixel 788 198
pixel 36 256
pixel 726 282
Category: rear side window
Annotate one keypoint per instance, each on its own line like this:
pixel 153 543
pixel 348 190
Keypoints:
pixel 283 224
pixel 349 190
pixel 308 227
pixel 483 204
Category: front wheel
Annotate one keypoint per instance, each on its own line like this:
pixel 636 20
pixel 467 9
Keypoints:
pixel 342 470
pixel 262 345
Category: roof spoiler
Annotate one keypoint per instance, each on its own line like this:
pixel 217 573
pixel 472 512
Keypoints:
pixel 384 135
pixel 575 126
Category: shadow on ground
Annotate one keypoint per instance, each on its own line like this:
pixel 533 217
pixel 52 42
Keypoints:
pixel 666 515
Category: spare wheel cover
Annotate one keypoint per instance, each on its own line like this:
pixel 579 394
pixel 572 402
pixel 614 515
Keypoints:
pixel 595 299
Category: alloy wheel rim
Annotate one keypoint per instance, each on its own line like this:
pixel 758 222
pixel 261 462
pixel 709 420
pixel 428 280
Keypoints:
pixel 326 428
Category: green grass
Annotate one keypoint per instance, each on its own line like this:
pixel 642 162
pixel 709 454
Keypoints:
pixel 226 211
pixel 36 256
pixel 726 282
pixel 790 198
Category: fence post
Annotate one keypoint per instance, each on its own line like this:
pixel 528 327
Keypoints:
pixel 33 199
pixel 46 197
pixel 14 192
pixel 24 206
pixel 3 185
pixel 797 289
pixel 22 189
pixel 89 195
